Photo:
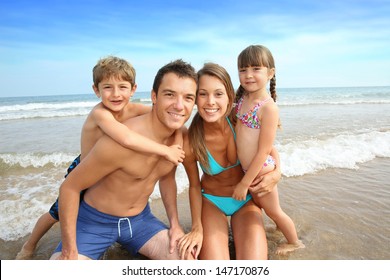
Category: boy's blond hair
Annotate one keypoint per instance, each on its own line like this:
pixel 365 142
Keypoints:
pixel 112 66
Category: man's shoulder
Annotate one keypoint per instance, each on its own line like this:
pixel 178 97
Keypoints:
pixel 137 109
pixel 178 136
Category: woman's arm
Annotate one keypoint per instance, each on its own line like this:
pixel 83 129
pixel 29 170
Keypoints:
pixel 191 243
pixel 266 183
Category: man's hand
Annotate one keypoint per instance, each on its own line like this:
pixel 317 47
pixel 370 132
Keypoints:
pixel 174 236
pixel 68 255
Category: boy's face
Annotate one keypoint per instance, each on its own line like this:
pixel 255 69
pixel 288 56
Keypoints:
pixel 175 100
pixel 115 93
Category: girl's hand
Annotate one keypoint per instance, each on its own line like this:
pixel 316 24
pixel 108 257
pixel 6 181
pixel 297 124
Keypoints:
pixel 240 192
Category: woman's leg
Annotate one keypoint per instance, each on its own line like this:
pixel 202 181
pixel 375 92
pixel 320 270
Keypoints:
pixel 215 233
pixel 250 240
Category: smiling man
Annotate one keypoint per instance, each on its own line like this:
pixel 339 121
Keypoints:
pixel 119 181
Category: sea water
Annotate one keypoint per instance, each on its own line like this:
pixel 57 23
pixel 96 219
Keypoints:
pixel 322 128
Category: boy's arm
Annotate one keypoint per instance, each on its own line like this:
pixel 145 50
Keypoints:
pixel 132 140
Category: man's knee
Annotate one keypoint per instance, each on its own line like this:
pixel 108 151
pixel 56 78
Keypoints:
pixel 157 247
pixel 55 256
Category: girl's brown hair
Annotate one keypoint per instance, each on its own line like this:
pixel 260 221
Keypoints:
pixel 256 55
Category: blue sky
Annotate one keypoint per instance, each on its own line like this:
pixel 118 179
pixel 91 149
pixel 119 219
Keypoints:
pixel 50 47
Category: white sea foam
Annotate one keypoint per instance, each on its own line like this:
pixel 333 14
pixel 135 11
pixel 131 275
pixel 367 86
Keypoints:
pixel 45 110
pixel 343 151
pixel 312 102
pixel 299 157
pixel 47 106
pixel 25 198
pixel 36 160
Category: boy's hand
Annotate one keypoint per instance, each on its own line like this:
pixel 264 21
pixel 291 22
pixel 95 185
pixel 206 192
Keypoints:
pixel 240 192
pixel 175 154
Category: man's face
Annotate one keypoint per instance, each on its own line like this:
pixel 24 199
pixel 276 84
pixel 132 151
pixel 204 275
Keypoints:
pixel 175 100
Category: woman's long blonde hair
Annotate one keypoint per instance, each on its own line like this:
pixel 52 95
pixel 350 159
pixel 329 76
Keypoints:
pixel 196 130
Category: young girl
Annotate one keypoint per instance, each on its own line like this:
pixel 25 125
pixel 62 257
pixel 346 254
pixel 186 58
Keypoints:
pixel 256 108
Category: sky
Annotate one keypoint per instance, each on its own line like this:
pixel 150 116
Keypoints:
pixel 50 47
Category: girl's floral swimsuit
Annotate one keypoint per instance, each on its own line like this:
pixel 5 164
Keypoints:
pixel 251 120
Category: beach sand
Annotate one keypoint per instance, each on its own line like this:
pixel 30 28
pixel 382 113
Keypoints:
pixel 340 214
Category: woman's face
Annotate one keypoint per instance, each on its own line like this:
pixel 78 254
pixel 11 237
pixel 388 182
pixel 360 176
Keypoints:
pixel 212 99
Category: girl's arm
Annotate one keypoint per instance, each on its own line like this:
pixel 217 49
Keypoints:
pixel 191 243
pixel 269 124
pixel 132 140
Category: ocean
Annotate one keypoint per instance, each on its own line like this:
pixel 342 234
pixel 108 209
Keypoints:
pixel 327 134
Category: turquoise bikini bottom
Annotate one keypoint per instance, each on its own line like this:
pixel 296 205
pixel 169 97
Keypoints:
pixel 228 205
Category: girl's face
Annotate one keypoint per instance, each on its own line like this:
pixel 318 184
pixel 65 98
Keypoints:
pixel 212 99
pixel 255 78
pixel 115 93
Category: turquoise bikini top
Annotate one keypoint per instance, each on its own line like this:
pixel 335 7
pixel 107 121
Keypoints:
pixel 214 167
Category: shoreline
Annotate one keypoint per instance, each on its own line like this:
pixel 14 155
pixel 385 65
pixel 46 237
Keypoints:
pixel 330 210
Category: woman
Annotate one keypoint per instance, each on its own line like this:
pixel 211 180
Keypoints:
pixel 210 141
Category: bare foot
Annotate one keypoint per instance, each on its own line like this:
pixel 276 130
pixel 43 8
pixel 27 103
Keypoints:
pixel 24 254
pixel 289 247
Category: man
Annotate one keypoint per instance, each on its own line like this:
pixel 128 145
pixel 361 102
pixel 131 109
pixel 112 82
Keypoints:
pixel 119 181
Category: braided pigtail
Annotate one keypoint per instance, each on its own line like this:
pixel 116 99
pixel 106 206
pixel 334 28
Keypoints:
pixel 272 88
pixel 239 93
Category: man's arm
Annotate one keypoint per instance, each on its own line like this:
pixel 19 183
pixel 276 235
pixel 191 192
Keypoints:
pixel 96 165
pixel 168 190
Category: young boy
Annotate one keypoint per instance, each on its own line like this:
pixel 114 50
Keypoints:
pixel 114 83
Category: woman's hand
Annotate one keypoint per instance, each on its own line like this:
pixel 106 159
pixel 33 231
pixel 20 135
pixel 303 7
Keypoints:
pixel 190 243
pixel 266 183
